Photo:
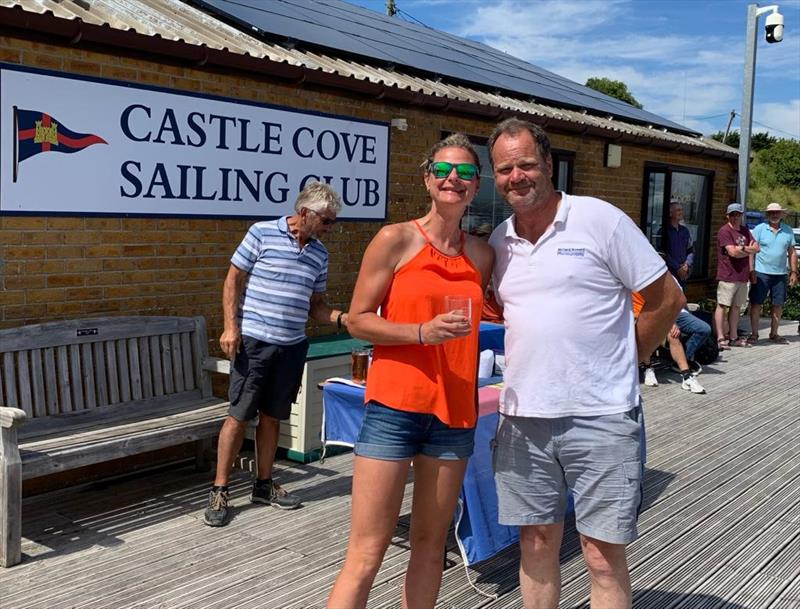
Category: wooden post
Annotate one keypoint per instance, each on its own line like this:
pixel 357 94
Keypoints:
pixel 10 488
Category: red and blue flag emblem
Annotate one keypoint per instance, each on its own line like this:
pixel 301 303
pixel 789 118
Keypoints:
pixel 38 132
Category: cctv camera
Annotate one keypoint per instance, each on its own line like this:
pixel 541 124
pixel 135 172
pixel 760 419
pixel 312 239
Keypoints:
pixel 774 27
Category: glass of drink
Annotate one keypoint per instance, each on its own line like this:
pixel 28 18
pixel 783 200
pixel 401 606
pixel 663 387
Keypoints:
pixel 359 364
pixel 459 305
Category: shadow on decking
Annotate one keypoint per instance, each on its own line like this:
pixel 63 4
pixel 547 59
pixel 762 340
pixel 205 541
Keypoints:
pixel 97 514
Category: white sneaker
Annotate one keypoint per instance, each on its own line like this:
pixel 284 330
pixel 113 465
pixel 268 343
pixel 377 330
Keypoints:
pixel 650 377
pixel 693 385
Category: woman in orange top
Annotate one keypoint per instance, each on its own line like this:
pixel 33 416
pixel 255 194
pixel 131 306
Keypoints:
pixel 421 388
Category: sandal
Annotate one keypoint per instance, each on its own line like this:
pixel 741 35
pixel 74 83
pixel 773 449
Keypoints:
pixel 724 344
pixel 752 339
pixel 740 342
pixel 778 340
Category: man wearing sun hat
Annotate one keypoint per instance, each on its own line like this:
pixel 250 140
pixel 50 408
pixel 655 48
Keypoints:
pixel 768 270
pixel 735 245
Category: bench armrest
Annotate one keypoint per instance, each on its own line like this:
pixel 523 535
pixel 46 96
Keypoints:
pixel 9 417
pixel 217 364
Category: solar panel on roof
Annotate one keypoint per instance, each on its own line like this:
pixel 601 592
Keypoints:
pixel 342 27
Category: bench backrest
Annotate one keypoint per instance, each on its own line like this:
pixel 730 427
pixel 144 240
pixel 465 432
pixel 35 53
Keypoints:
pixel 70 366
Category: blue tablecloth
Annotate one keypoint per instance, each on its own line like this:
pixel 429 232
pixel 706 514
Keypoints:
pixel 478 532
pixel 491 336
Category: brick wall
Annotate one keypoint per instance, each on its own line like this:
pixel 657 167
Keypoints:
pixel 64 267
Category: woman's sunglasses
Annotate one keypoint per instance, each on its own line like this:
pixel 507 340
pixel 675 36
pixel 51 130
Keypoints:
pixel 442 169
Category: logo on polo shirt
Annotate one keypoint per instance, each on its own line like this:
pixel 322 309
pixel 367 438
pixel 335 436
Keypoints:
pixel 572 251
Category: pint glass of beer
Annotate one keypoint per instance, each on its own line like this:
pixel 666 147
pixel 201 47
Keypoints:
pixel 360 364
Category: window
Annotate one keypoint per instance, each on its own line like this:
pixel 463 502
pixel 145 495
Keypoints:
pixel 692 187
pixel 563 163
pixel 489 208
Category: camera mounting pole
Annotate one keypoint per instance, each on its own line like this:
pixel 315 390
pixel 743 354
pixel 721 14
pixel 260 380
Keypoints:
pixel 753 13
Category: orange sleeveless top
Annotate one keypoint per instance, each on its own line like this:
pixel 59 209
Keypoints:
pixel 638 304
pixel 429 379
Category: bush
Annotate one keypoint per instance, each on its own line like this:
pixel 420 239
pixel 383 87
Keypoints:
pixel 791 308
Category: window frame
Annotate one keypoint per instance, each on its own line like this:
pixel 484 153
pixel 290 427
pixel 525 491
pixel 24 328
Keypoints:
pixel 701 274
pixel 560 155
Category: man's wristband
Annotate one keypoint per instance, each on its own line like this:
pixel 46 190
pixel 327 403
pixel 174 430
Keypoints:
pixel 419 334
pixel 339 320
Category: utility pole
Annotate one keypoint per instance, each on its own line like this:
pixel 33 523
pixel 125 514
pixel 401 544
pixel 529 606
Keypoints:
pixel 391 8
pixel 728 128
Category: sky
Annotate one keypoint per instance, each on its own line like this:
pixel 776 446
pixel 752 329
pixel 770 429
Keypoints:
pixel 682 59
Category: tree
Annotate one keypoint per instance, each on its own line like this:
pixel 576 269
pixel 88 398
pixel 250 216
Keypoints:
pixel 613 88
pixel 732 140
pixel 758 141
pixel 762 140
pixel 783 159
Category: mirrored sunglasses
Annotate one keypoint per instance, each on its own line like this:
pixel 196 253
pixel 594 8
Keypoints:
pixel 442 169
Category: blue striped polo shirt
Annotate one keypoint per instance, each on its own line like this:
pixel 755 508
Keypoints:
pixel 280 281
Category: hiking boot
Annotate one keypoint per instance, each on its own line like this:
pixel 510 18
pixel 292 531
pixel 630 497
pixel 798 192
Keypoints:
pixel 650 377
pixel 217 511
pixel 690 383
pixel 274 495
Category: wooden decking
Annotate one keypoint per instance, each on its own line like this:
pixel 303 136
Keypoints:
pixel 721 526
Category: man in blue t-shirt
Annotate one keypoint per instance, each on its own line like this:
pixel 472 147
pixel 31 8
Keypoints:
pixel 768 270
pixel 276 281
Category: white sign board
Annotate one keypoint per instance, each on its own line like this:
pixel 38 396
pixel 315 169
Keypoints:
pixel 83 146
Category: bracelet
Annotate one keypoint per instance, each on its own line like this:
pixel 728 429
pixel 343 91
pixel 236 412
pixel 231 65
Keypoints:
pixel 419 334
pixel 339 320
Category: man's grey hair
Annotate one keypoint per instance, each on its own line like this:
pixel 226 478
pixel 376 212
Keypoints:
pixel 317 196
pixel 515 126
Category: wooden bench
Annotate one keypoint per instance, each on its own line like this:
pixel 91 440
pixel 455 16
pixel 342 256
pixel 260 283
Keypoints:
pixel 81 392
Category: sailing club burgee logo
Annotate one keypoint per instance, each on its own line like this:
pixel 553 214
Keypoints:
pixel 36 132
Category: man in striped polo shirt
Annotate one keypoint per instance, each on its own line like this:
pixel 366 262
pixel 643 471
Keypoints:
pixel 276 281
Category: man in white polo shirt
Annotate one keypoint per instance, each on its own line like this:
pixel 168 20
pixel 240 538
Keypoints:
pixel 570 409
pixel 276 281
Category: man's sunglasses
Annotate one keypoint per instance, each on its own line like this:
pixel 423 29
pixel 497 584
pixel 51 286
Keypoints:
pixel 325 220
pixel 442 169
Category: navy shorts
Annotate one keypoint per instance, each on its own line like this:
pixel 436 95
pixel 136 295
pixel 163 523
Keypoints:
pixel 393 435
pixel 265 378
pixel 774 285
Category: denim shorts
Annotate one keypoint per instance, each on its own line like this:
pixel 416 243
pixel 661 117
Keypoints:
pixel 393 435
pixel 774 285
pixel 599 459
